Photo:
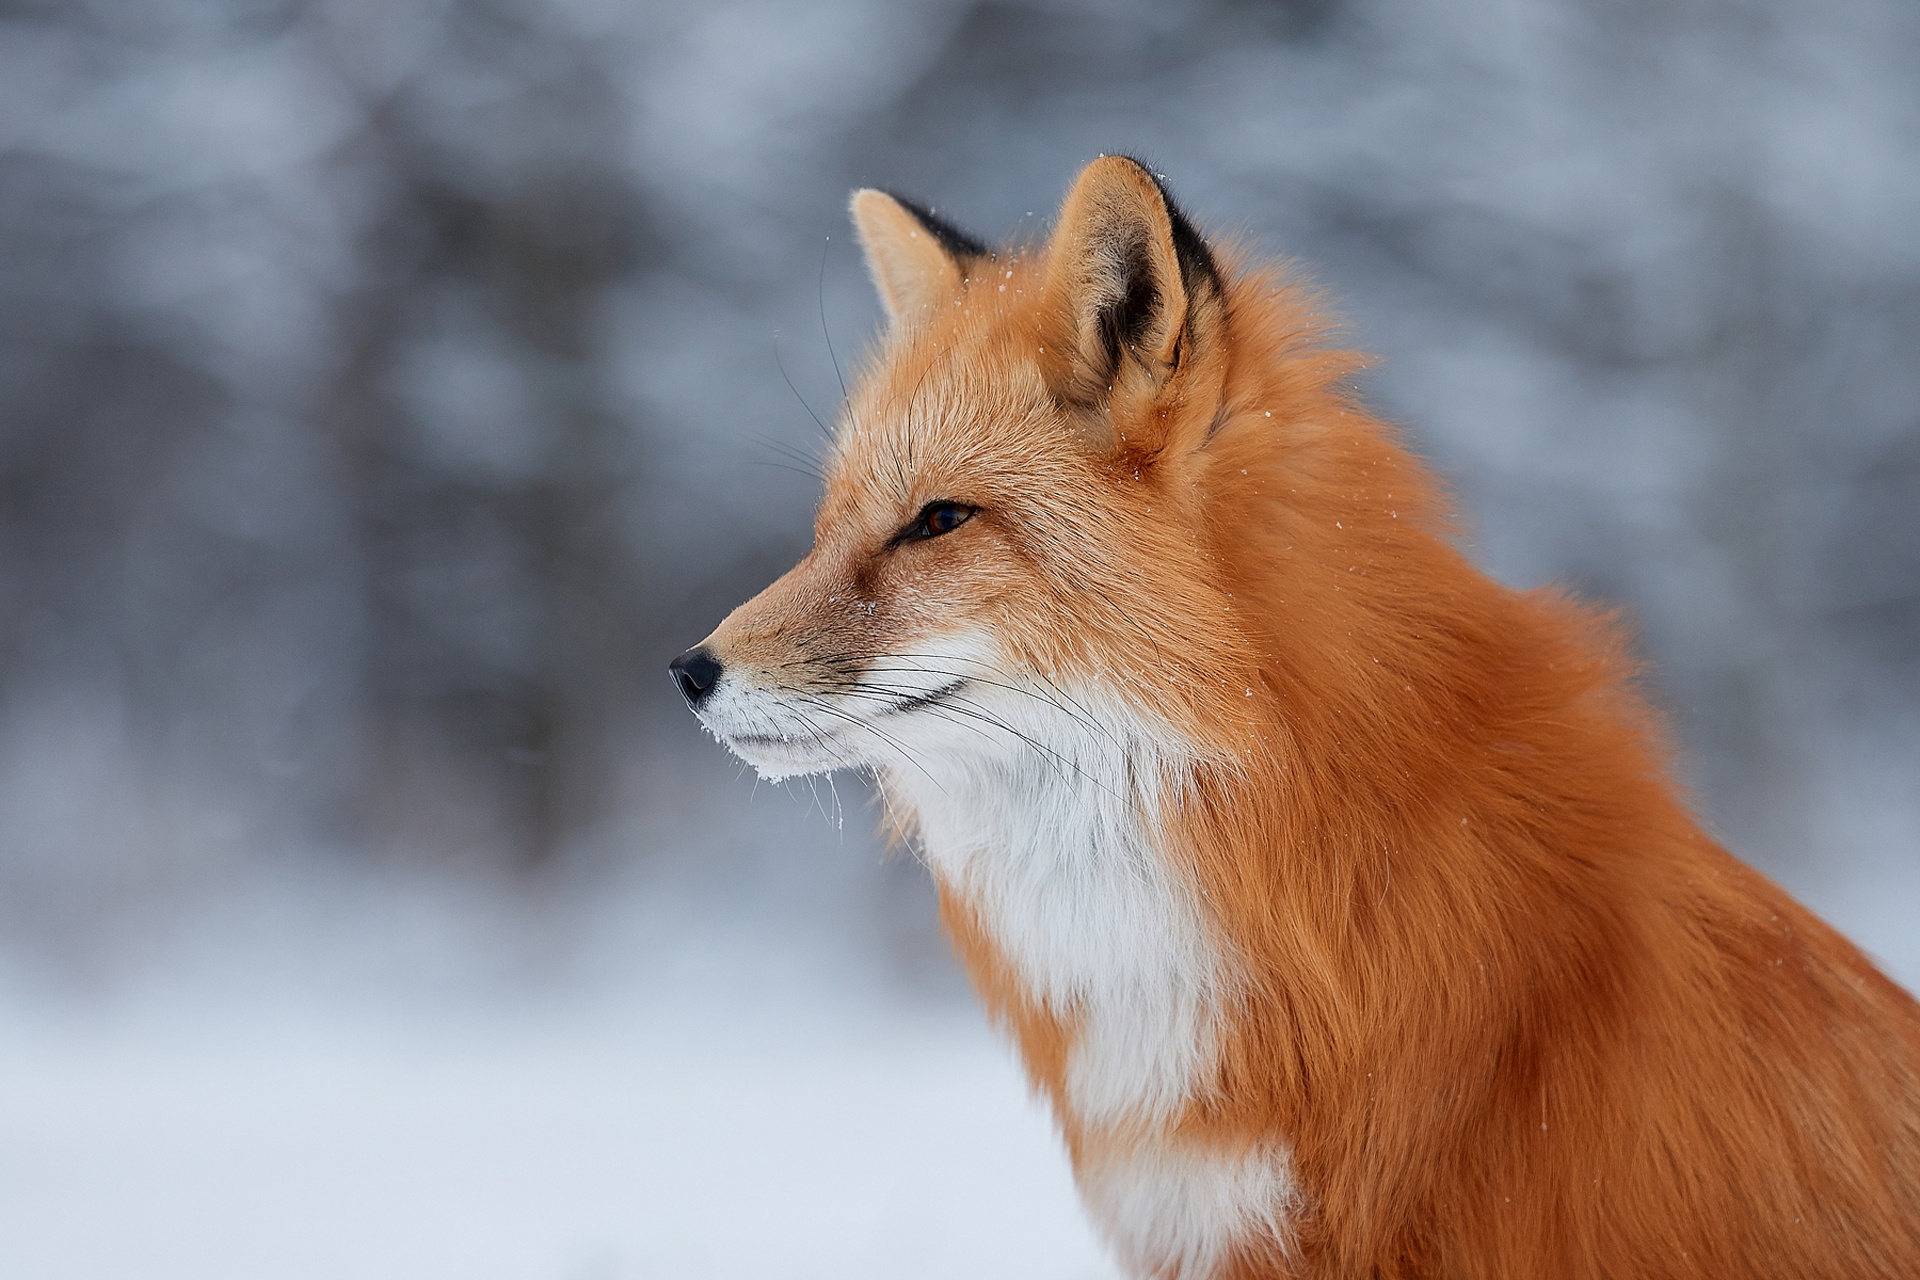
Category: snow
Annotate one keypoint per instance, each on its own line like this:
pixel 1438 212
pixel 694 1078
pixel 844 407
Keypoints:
pixel 519 1152
pixel 344 1080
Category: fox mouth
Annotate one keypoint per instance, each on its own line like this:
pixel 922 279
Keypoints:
pixel 931 698
pixel 816 745
pixel 824 735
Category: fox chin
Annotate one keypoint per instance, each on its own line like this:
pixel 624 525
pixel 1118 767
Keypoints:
pixel 1337 897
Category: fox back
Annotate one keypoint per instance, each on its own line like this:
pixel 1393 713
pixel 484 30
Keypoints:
pixel 1336 896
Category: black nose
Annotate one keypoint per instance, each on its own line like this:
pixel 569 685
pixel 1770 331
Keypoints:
pixel 696 672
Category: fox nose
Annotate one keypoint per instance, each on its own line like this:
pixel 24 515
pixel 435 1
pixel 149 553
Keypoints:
pixel 696 672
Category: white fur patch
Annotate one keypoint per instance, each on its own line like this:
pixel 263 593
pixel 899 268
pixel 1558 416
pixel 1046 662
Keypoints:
pixel 1041 807
pixel 1053 846
pixel 1175 1213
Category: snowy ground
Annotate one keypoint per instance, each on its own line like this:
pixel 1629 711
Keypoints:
pixel 382 1077
pixel 513 1153
pixel 705 1075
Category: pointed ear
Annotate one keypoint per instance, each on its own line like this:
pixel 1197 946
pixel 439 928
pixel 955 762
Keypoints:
pixel 917 261
pixel 1131 286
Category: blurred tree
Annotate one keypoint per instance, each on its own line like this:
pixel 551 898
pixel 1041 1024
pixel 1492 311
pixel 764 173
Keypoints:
pixel 486 456
pixel 379 383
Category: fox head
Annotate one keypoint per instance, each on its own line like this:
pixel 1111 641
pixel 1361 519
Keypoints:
pixel 1024 540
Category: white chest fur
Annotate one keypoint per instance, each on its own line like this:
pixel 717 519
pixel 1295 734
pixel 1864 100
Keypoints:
pixel 1173 1212
pixel 1056 850
pixel 1058 859
pixel 1043 812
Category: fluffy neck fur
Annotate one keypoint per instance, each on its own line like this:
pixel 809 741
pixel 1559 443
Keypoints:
pixel 1056 850
pixel 1084 933
pixel 1451 940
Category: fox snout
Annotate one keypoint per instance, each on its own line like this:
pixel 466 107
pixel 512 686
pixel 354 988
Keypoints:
pixel 696 672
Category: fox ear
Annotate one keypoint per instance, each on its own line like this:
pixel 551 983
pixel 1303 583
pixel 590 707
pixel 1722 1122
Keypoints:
pixel 917 261
pixel 1131 285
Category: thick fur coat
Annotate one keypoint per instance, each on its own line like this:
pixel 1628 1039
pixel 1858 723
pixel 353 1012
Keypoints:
pixel 1336 896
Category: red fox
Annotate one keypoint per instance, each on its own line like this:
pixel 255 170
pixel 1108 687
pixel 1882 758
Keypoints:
pixel 1335 895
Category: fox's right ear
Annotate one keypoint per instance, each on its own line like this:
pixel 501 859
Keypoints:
pixel 917 261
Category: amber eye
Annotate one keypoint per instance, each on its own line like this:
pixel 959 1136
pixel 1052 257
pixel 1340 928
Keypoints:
pixel 935 519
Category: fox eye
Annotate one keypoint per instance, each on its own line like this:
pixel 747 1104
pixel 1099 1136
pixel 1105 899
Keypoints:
pixel 935 519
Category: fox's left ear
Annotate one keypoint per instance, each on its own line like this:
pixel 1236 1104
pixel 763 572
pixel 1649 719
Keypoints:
pixel 918 262
pixel 1137 306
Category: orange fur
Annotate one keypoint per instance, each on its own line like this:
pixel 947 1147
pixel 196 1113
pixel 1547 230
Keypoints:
pixel 1510 1012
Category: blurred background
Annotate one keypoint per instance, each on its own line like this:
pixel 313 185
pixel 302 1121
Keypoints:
pixel 389 390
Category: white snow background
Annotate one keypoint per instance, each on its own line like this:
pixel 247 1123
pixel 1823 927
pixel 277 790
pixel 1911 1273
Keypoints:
pixel 342 1078
pixel 499 1150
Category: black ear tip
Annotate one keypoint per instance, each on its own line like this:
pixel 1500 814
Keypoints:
pixel 1147 171
pixel 1197 266
pixel 951 238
